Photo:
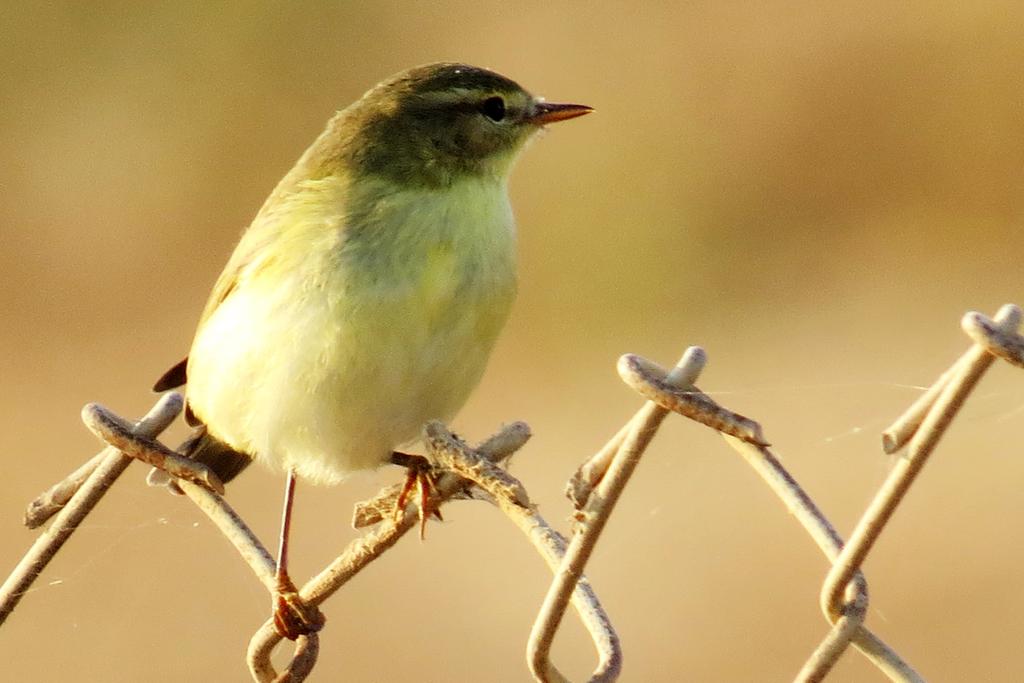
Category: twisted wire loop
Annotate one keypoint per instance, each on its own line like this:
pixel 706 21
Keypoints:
pixel 747 438
pixel 71 500
pixel 844 597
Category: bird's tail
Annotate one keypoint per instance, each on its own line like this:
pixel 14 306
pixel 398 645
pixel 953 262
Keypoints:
pixel 203 447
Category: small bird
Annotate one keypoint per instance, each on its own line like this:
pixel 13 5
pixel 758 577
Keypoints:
pixel 366 296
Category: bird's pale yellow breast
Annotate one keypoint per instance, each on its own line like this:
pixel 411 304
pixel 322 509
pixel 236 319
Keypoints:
pixel 336 350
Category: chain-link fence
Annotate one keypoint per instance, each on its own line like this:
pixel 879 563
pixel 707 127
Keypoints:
pixel 594 490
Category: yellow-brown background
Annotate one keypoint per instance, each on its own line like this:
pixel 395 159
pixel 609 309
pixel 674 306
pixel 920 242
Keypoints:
pixel 815 195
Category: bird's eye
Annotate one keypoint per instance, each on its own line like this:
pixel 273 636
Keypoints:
pixel 493 108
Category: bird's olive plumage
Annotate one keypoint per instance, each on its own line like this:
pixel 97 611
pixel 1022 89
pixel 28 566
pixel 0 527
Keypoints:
pixel 366 295
pixel 425 127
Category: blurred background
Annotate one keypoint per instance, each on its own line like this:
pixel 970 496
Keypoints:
pixel 814 192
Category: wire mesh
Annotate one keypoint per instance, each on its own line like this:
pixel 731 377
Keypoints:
pixel 594 490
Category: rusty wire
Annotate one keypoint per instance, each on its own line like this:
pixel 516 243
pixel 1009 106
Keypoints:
pixel 73 499
pixel 594 490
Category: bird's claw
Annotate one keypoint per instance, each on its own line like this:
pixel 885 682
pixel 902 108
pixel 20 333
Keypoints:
pixel 293 616
pixel 421 478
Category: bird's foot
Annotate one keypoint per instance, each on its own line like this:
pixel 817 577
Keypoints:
pixel 293 616
pixel 420 477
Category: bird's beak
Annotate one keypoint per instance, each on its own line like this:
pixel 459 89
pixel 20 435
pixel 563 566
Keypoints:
pixel 549 112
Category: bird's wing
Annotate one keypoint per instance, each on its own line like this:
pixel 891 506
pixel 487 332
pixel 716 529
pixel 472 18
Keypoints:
pixel 253 253
pixel 249 257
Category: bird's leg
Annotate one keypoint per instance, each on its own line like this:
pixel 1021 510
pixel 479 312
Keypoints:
pixel 292 616
pixel 419 476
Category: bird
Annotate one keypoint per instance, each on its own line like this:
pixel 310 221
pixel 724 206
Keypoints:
pixel 366 296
